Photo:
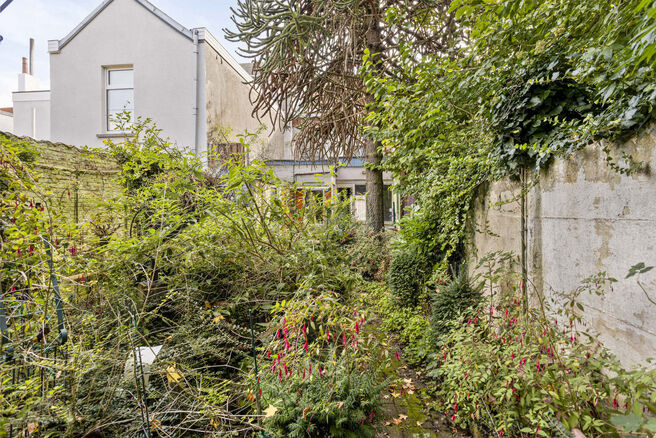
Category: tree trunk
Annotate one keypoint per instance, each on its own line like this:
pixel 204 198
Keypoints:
pixel 373 157
pixel 375 187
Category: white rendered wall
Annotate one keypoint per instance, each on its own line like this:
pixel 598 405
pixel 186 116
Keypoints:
pixel 125 33
pixel 6 122
pixel 32 114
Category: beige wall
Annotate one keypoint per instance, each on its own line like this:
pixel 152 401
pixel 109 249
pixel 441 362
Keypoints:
pixel 125 33
pixel 228 108
pixel 584 218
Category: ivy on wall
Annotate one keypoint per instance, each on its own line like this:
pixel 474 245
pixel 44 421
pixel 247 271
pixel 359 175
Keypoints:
pixel 525 81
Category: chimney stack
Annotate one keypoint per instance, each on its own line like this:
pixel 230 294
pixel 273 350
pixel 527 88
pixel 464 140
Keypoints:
pixel 32 56
pixel 24 65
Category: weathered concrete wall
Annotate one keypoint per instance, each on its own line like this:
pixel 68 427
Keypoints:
pixel 584 218
pixel 75 180
pixel 230 112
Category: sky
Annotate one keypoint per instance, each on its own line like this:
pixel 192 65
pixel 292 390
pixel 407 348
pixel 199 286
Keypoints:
pixel 46 20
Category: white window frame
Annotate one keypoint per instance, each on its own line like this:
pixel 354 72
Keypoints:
pixel 107 87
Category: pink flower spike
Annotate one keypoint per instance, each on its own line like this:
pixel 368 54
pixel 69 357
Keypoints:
pixel 398 356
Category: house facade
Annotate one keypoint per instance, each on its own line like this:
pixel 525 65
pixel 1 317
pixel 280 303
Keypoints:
pixel 128 55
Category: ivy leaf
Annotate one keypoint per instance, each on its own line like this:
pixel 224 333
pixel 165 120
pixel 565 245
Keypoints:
pixel 640 268
pixel 630 423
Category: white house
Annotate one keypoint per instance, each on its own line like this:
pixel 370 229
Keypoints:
pixel 129 55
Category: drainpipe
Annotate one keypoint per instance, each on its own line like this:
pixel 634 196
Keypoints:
pixel 197 89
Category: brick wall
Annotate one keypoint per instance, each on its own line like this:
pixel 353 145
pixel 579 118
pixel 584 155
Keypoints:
pixel 75 180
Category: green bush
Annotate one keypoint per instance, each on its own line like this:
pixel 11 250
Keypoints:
pixel 369 254
pixel 322 370
pixel 406 276
pixel 452 300
pixel 526 374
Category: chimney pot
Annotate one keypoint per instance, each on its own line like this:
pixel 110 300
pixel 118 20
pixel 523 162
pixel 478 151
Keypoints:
pixel 31 56
pixel 24 65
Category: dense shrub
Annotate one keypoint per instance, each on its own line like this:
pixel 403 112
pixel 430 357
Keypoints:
pixel 523 374
pixel 369 253
pixel 406 276
pixel 323 370
pixel 452 300
pixel 410 324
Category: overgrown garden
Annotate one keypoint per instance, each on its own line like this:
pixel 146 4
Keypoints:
pixel 198 303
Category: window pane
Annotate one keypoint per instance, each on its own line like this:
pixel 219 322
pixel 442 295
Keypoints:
pixel 119 100
pixel 360 189
pixel 120 78
pixel 387 204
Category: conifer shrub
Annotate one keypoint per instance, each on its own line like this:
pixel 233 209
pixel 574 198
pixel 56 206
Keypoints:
pixel 322 370
pixel 452 301
pixel 406 276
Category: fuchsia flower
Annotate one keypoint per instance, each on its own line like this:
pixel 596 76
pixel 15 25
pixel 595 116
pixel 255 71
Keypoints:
pixel 398 356
pixel 371 416
pixel 357 328
pixel 306 346
pixel 344 340
pixel 501 432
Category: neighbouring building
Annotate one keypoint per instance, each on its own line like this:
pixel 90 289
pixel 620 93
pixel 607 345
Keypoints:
pixel 128 55
pixel 7 119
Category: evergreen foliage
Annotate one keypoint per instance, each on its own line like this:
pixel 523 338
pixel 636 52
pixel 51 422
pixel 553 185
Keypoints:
pixel 452 300
pixel 406 276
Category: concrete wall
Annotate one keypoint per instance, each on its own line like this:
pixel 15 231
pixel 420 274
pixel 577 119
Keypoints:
pixel 125 33
pixel 229 112
pixel 583 218
pixel 32 114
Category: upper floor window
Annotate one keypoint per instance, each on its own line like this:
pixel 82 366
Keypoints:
pixel 119 97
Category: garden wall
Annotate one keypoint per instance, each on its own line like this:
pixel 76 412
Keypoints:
pixel 583 218
pixel 77 179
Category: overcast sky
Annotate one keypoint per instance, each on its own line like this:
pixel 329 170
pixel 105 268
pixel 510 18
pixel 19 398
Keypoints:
pixel 46 20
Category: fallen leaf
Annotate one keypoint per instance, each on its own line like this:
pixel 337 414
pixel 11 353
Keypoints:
pixel 403 417
pixel 172 374
pixel 270 411
pixel 419 423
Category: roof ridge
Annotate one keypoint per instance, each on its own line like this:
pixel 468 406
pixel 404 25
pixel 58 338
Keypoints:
pixel 55 46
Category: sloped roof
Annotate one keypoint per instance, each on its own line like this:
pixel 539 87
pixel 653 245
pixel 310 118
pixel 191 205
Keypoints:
pixel 9 110
pixel 56 45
